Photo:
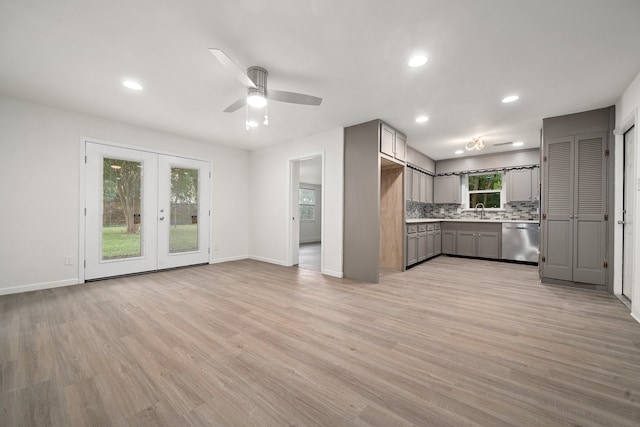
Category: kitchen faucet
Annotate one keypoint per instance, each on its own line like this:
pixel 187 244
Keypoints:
pixel 481 212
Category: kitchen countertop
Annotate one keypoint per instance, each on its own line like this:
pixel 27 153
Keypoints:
pixel 499 221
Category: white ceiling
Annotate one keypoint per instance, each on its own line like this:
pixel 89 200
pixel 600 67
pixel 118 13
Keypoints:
pixel 559 56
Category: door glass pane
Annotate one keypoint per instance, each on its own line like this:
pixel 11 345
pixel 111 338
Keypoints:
pixel 122 215
pixel 183 232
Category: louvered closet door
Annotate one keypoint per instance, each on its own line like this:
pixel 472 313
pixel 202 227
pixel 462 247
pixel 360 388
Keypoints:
pixel 589 209
pixel 559 209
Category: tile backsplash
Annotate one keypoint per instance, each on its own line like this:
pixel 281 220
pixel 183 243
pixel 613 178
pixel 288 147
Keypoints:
pixel 513 210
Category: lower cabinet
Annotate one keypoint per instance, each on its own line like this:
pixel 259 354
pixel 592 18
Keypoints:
pixel 489 244
pixel 472 239
pixel 412 244
pixel 449 237
pixel 423 242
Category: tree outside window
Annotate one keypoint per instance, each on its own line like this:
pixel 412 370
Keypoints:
pixel 307 202
pixel 485 189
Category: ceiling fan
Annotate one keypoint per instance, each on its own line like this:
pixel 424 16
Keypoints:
pixel 255 80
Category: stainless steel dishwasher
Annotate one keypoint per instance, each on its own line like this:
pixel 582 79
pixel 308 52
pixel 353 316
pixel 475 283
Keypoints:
pixel 520 241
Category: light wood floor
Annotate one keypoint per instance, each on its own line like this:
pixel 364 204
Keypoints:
pixel 451 342
pixel 309 256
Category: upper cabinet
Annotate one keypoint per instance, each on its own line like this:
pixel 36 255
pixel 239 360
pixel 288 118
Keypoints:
pixel 523 185
pixel 418 186
pixel 419 177
pixel 446 189
pixel 393 143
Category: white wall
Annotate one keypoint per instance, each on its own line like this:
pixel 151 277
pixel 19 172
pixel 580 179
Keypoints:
pixel 627 113
pixel 310 231
pixel 40 175
pixel 270 238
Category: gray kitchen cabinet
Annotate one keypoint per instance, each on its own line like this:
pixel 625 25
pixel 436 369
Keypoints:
pixel 575 209
pixel 423 187
pixel 412 244
pixel 401 147
pixel 466 243
pixel 408 184
pixel 535 184
pixel 577 199
pixel 446 189
pixel 448 242
pixel 519 185
pixel 488 245
pixel 472 239
pixel 393 143
pixel 387 140
pixel 422 242
pixel 415 185
pixel 374 208
pixel 438 241
pixel 431 240
pixel 418 186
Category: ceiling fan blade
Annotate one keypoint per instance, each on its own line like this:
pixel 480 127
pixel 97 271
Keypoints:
pixel 293 97
pixel 231 66
pixel 236 105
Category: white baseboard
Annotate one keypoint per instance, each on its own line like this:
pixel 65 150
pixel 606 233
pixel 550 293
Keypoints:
pixel 228 259
pixel 635 317
pixel 38 286
pixel 338 274
pixel 310 240
pixel 269 260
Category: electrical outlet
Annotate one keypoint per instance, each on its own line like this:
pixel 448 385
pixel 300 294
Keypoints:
pixel 68 260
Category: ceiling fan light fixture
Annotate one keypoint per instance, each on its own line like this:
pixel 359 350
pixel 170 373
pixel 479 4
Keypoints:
pixel 256 101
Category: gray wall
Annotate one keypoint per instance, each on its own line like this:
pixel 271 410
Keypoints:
pixel 490 161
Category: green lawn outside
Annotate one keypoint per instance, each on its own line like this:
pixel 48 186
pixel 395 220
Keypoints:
pixel 183 238
pixel 117 243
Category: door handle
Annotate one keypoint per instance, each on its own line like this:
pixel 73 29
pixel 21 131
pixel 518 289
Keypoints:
pixel 161 218
pixel 622 222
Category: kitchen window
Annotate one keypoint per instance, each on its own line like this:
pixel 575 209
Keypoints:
pixel 485 188
pixel 307 203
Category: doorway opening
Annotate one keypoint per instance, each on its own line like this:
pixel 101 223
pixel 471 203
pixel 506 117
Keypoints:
pixel 628 212
pixel 307 200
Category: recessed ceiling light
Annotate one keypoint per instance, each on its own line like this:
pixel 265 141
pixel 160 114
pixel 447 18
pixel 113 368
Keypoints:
pixel 257 101
pixel 510 98
pixel 518 143
pixel 252 124
pixel 417 61
pixel 459 152
pixel 422 119
pixel 132 85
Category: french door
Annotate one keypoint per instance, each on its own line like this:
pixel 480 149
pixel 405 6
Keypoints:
pixel 144 211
